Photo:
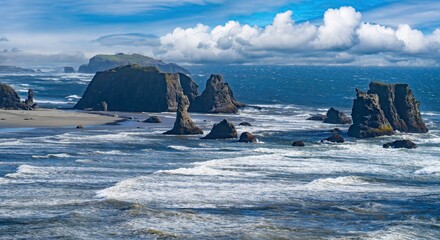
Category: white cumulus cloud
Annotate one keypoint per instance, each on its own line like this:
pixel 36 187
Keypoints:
pixel 342 38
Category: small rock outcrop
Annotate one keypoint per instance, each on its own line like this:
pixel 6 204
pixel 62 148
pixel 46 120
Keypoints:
pixel 222 130
pixel 101 106
pixel 30 98
pixel 368 118
pixel 245 124
pixel 184 124
pixel 400 144
pixel 133 88
pixel 298 144
pixel 153 119
pixel 247 137
pixel 334 116
pixel 336 130
pixel 400 107
pixel 317 117
pixel 69 70
pixel 216 98
pixel 336 138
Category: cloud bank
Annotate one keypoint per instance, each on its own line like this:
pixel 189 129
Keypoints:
pixel 342 38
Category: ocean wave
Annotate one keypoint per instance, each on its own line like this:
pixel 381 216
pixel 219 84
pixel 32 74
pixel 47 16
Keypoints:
pixel 73 97
pixel 179 148
pixel 430 170
pixel 52 155
pixel 111 152
pixel 346 180
pixel 27 171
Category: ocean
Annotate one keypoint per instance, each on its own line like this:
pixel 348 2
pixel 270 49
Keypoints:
pixel 130 181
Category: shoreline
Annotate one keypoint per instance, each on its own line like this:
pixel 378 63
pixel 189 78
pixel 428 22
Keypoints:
pixel 48 118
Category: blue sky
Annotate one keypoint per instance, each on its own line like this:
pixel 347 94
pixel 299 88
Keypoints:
pixel 76 30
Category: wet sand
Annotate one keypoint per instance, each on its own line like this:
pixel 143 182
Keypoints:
pixel 51 118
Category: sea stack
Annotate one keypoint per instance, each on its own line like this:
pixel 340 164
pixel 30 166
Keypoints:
pixel 216 98
pixel 386 108
pixel 368 118
pixel 184 124
pixel 222 130
pixel 334 116
pixel 135 89
pixel 400 107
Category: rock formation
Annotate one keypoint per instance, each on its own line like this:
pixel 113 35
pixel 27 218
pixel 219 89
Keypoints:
pixel 102 62
pixel 9 99
pixel 384 109
pixel 298 144
pixel 69 70
pixel 334 116
pixel 245 124
pixel 189 87
pixel 400 144
pixel 153 119
pixel 222 130
pixel 101 106
pixel 216 98
pixel 400 107
pixel 30 98
pixel 317 117
pixel 247 137
pixel 336 138
pixel 336 130
pixel 183 124
pixel 368 118
pixel 134 88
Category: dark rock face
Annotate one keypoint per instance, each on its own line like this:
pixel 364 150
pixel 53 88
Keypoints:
pixel 336 117
pixel 298 144
pixel 216 98
pixel 133 88
pixel 336 130
pixel 317 117
pixel 368 118
pixel 100 63
pixel 184 124
pixel 101 106
pixel 9 99
pixel 222 130
pixel 153 119
pixel 189 87
pixel 400 107
pixel 246 124
pixel 247 137
pixel 336 138
pixel 30 98
pixel 69 70
pixel 400 144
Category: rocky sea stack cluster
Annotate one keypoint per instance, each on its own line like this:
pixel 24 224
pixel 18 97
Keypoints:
pixel 10 100
pixel 134 88
pixel 385 108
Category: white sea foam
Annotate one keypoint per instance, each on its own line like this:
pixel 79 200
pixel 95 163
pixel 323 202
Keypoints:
pixel 27 171
pixel 52 155
pixel 73 97
pixel 179 148
pixel 111 152
pixel 430 170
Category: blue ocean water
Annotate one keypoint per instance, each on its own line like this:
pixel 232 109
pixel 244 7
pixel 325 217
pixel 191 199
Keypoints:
pixel 131 182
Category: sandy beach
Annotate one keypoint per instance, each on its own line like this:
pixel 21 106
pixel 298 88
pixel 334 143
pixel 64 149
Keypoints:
pixel 51 118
